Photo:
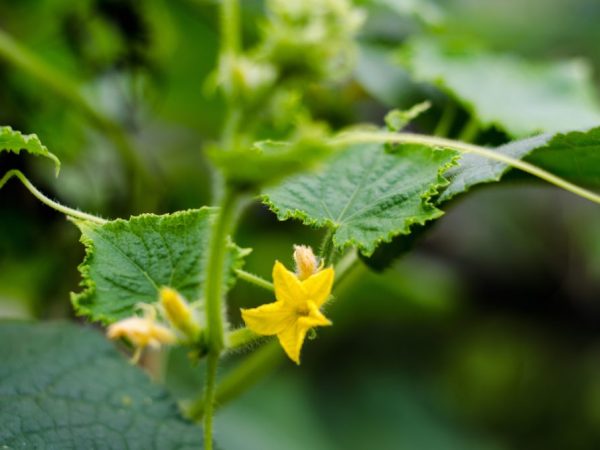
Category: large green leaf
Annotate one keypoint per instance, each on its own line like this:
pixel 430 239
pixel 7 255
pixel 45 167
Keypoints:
pixel 503 90
pixel 14 141
pixel 574 155
pixel 66 387
pixel 128 261
pixel 366 194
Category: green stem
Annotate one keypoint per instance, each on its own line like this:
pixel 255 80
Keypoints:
pixel 229 137
pixel 469 131
pixel 215 278
pixel 209 398
pixel 239 380
pixel 215 269
pixel 51 203
pixel 446 120
pixel 255 280
pixel 327 250
pixel 346 265
pixel 230 27
pixel 241 337
pixel 409 138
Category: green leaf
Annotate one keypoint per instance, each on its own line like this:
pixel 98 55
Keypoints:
pixel 128 261
pixel 14 141
pixel 506 91
pixel 365 194
pixel 66 387
pixel 574 156
pixel 396 119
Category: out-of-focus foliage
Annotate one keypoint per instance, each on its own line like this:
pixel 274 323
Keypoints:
pixel 505 91
pixel 486 336
pixel 59 378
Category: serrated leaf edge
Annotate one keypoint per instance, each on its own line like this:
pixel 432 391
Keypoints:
pixel 30 140
pixel 427 201
pixel 89 286
pixel 427 198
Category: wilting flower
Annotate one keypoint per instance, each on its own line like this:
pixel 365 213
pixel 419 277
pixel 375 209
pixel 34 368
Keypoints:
pixel 142 332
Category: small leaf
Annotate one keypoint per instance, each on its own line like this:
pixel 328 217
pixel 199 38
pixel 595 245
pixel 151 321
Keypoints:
pixel 503 90
pixel 267 162
pixel 14 141
pixel 365 194
pixel 66 387
pixel 574 155
pixel 128 261
pixel 396 119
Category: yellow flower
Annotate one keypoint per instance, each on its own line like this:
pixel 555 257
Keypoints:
pixel 142 332
pixel 295 311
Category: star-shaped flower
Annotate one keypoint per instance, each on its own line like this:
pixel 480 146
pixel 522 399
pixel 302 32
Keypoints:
pixel 296 309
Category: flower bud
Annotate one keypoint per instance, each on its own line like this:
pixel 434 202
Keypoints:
pixel 179 313
pixel 243 78
pixel 307 263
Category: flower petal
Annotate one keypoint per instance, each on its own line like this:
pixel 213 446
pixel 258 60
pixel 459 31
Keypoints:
pixel 291 339
pixel 269 319
pixel 315 317
pixel 318 287
pixel 288 288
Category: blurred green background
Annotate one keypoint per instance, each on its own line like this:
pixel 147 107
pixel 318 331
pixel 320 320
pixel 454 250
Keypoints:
pixel 485 336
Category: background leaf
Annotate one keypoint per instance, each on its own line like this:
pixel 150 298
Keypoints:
pixel 63 386
pixel 267 162
pixel 365 194
pixel 519 97
pixel 574 155
pixel 128 261
pixel 15 141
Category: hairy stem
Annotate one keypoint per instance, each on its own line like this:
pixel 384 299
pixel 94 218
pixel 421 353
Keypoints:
pixel 215 269
pixel 241 337
pixel 70 212
pixel 209 398
pixel 327 249
pixel 409 138
pixel 255 280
